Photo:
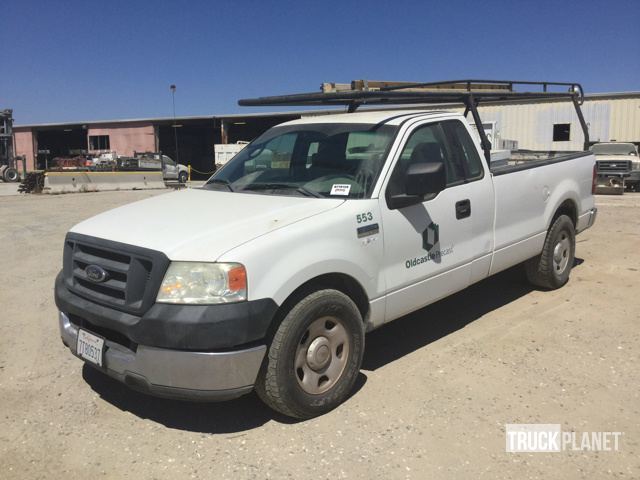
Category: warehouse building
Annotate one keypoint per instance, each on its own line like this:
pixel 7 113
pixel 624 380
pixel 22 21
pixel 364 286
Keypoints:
pixel 551 125
pixel 545 125
pixel 196 137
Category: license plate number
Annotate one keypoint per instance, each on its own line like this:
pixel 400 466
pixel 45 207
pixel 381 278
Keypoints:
pixel 90 347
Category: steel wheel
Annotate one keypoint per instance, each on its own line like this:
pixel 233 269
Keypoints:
pixel 561 254
pixel 321 355
pixel 315 355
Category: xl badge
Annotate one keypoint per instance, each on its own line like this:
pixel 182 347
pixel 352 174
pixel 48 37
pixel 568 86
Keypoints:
pixel 96 273
pixel 430 236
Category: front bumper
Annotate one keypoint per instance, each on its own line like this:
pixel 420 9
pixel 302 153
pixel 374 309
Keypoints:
pixel 225 326
pixel 188 375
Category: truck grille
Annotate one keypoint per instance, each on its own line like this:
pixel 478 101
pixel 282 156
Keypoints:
pixel 613 166
pixel 131 275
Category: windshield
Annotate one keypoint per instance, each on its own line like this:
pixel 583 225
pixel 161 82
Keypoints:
pixel 614 149
pixel 319 160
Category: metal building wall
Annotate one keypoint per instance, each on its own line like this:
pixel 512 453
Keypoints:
pixel 531 124
pixel 625 119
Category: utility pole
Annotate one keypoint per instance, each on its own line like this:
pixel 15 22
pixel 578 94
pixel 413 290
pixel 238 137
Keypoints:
pixel 175 127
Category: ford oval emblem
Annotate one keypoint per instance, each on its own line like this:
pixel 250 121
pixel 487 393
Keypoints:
pixel 96 273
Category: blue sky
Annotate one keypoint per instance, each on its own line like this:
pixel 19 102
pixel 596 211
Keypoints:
pixel 89 60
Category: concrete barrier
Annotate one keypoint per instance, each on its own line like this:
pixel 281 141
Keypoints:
pixel 68 182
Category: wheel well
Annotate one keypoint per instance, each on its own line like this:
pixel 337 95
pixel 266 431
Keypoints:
pixel 336 281
pixel 568 208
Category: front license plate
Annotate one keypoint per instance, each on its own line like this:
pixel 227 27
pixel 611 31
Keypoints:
pixel 90 347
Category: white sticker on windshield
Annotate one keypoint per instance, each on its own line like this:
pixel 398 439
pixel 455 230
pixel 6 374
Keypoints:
pixel 340 189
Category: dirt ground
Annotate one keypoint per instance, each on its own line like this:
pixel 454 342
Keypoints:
pixel 434 395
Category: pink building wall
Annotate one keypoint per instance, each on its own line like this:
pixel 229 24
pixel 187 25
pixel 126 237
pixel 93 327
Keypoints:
pixel 126 139
pixel 24 146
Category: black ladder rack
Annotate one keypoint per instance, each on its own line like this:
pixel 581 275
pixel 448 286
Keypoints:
pixel 469 93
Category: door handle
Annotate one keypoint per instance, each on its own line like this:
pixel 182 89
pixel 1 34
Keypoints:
pixel 463 209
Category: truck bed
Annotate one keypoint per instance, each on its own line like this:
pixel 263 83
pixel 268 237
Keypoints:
pixel 526 197
pixel 524 160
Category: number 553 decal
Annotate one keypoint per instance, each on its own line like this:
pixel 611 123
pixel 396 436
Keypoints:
pixel 364 217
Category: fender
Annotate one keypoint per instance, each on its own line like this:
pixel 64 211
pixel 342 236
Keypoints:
pixel 324 244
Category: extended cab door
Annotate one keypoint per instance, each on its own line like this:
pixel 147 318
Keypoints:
pixel 441 245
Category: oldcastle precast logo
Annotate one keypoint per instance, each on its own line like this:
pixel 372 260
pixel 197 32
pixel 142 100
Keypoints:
pixel 430 236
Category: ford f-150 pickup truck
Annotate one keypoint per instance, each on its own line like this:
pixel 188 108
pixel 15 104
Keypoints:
pixel 617 166
pixel 320 230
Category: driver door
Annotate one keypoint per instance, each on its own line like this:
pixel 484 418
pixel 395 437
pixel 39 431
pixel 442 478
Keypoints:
pixel 430 247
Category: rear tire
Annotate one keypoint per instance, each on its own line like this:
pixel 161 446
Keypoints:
pixel 551 269
pixel 314 357
pixel 11 175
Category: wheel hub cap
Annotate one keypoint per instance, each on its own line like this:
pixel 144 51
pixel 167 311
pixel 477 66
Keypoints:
pixel 319 353
pixel 322 355
pixel 561 254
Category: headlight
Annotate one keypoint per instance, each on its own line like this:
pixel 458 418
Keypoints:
pixel 203 283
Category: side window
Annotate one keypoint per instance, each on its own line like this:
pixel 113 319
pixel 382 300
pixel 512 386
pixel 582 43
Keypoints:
pixel 426 144
pixel 464 154
pixel 447 142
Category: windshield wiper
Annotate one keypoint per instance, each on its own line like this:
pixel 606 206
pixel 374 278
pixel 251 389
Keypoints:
pixel 221 181
pixel 284 186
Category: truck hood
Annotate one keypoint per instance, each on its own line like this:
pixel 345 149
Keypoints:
pixel 201 225
pixel 621 158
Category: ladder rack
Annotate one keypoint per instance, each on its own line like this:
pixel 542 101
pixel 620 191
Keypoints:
pixel 469 93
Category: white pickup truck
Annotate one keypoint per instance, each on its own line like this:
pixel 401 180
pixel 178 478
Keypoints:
pixel 320 230
pixel 617 166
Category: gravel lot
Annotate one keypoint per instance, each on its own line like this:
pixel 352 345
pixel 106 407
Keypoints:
pixel 434 395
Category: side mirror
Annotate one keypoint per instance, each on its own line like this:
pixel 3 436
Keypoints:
pixel 421 179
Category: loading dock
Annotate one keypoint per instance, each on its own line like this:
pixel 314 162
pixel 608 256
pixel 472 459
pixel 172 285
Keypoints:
pixel 195 138
pixel 54 142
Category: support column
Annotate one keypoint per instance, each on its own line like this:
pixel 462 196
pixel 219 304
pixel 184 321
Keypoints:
pixel 224 131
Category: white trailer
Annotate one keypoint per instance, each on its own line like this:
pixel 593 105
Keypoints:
pixel 223 152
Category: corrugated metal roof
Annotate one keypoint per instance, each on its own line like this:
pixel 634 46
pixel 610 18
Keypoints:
pixel 234 116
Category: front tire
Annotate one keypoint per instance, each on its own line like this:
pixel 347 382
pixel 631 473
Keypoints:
pixel 552 267
pixel 182 177
pixel 315 356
